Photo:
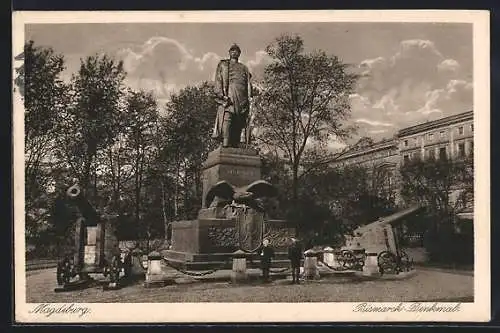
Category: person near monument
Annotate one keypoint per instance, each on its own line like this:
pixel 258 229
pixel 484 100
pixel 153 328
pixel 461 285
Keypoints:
pixel 295 255
pixel 233 90
pixel 266 255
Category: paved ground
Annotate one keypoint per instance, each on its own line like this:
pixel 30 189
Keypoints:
pixel 425 285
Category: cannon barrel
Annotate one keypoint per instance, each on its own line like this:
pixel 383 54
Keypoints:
pixel 76 196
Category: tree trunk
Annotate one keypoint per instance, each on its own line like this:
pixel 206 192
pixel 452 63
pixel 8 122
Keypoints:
pixel 163 206
pixel 295 194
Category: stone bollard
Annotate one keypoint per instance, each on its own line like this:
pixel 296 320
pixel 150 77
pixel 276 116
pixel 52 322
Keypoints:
pixel 329 256
pixel 239 273
pixel 311 265
pixel 154 274
pixel 371 265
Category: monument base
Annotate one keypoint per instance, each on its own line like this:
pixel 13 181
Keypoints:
pixel 210 243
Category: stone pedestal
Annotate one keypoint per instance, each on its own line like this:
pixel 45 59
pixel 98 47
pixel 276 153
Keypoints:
pixel 310 265
pixel 329 257
pixel 239 272
pixel 371 265
pixel 238 166
pixel 211 240
pixel 155 276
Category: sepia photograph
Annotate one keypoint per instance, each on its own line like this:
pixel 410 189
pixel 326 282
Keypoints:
pixel 251 166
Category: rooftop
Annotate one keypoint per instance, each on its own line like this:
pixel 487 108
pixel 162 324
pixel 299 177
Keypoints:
pixel 436 123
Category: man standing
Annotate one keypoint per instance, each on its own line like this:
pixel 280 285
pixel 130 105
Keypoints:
pixel 234 91
pixel 295 254
pixel 266 255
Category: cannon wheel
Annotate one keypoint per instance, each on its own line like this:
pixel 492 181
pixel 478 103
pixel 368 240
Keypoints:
pixel 387 262
pixel 360 262
pixel 60 275
pixel 348 258
pixel 404 260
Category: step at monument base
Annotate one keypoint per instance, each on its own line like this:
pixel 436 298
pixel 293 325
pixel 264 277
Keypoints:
pixel 207 261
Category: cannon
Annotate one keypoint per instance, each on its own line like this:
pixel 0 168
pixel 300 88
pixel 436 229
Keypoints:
pixel 381 238
pixel 95 249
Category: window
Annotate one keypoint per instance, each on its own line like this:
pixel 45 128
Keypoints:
pixel 442 153
pixel 431 136
pixel 406 158
pixel 441 134
pixel 461 149
pixel 406 143
pixel 472 127
pixel 427 153
pixel 461 130
pixel 471 147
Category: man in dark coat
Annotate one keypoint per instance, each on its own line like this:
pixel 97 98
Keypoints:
pixel 266 255
pixel 295 254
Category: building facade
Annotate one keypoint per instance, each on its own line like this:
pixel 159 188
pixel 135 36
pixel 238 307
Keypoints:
pixel 451 136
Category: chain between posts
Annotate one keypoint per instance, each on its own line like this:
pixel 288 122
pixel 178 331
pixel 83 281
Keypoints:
pixel 337 269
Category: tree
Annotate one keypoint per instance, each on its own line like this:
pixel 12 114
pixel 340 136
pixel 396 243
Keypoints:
pixel 45 95
pixel 304 98
pixel 142 116
pixel 94 119
pixel 432 182
pixel 444 186
pixel 183 145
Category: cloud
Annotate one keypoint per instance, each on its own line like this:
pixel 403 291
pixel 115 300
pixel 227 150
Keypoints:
pixel 373 122
pixel 415 83
pixel 377 131
pixel 448 65
pixel 456 94
pixel 165 65
pixel 258 63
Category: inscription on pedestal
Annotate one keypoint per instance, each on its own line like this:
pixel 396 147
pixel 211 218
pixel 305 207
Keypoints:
pixel 221 237
pixel 278 236
pixel 239 167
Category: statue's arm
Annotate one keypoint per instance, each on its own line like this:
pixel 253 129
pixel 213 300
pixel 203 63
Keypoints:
pixel 250 88
pixel 219 80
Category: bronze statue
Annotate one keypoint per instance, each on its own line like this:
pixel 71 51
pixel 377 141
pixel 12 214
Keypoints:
pixel 234 92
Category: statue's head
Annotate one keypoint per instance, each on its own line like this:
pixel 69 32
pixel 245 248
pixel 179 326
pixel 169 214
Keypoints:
pixel 234 51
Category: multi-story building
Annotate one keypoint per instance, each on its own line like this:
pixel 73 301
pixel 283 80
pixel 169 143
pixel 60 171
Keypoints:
pixel 381 159
pixel 451 136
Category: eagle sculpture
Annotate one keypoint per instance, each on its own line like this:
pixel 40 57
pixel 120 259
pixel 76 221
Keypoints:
pixel 249 195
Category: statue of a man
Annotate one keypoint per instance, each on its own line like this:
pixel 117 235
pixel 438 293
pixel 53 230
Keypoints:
pixel 234 91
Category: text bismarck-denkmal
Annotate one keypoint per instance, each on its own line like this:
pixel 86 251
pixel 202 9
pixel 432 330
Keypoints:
pixel 407 307
pixel 50 309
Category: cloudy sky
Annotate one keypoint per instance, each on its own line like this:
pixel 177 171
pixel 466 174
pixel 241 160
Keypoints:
pixel 416 72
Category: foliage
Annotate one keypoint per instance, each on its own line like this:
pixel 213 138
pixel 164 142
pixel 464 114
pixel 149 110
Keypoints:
pixel 184 145
pixel 94 118
pixel 434 181
pixel 445 186
pixel 332 201
pixel 45 96
pixel 303 103
pixel 304 98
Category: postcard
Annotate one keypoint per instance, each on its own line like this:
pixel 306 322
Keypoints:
pixel 251 166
